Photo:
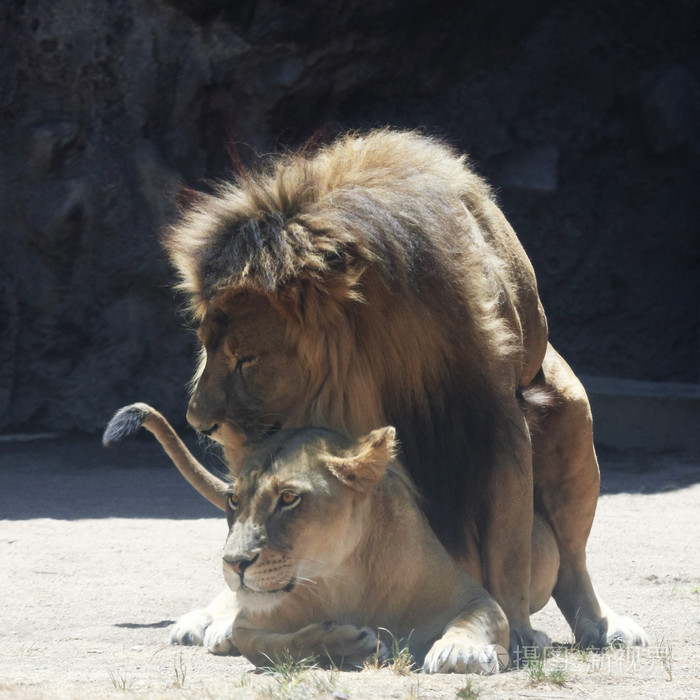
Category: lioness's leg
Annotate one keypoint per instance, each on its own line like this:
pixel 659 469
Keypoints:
pixel 341 645
pixel 567 483
pixel 210 626
pixel 475 642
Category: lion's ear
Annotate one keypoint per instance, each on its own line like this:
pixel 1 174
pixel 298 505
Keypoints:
pixel 365 462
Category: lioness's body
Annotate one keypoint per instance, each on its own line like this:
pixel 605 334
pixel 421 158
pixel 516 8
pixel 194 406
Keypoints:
pixel 354 550
pixel 376 282
pixel 362 555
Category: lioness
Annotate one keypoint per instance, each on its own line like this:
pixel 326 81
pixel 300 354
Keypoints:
pixel 375 282
pixel 327 544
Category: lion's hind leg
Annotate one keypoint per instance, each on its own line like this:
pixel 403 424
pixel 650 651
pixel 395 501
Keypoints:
pixel 567 483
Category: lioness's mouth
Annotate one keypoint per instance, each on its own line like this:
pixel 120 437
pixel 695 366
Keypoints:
pixel 285 589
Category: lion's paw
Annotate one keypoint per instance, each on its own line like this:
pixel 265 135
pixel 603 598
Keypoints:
pixel 613 630
pixel 526 642
pixel 190 629
pixel 624 631
pixel 218 638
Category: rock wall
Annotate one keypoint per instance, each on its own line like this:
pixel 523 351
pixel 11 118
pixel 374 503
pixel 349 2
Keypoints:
pixel 584 116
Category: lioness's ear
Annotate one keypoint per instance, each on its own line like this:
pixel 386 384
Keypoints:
pixel 366 461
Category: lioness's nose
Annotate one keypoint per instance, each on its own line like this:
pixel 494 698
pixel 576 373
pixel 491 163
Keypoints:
pixel 240 563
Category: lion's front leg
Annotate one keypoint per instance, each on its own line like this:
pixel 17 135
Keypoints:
pixel 210 626
pixel 506 536
pixel 474 642
pixel 328 642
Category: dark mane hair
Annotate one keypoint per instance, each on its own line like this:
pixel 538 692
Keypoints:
pixel 379 250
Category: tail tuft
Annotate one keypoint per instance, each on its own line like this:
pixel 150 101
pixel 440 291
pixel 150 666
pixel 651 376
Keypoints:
pixel 536 403
pixel 125 424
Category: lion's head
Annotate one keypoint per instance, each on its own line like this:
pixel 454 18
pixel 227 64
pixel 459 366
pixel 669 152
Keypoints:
pixel 249 378
pixel 293 512
pixel 350 289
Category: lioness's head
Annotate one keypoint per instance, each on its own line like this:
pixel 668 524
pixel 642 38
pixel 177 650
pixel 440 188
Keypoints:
pixel 295 510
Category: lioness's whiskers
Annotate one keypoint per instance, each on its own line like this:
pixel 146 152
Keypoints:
pixel 302 580
pixel 326 576
pixel 303 584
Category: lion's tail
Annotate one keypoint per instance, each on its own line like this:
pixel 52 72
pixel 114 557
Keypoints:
pixel 536 402
pixel 126 423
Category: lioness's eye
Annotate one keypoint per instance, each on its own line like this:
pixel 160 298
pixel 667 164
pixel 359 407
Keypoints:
pixel 232 501
pixel 289 499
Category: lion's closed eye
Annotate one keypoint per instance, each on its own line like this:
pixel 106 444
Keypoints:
pixel 243 362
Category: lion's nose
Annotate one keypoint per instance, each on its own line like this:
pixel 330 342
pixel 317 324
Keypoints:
pixel 198 422
pixel 240 563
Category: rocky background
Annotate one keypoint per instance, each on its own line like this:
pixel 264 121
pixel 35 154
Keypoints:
pixel 584 115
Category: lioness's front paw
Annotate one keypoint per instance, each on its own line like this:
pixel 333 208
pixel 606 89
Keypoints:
pixel 218 638
pixel 454 655
pixel 189 630
pixel 349 645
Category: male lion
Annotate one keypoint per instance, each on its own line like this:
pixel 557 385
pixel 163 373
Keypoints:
pixel 327 545
pixel 376 282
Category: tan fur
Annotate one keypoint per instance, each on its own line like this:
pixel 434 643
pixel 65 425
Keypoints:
pixel 375 281
pixel 314 198
pixel 355 546
pixel 361 555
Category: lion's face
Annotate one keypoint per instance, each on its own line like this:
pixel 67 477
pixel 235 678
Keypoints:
pixel 249 378
pixel 293 511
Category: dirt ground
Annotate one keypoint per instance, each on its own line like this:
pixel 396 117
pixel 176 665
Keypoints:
pixel 100 552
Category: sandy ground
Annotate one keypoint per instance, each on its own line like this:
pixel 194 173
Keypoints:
pixel 100 551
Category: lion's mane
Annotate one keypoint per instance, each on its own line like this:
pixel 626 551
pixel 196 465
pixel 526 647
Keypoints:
pixel 378 251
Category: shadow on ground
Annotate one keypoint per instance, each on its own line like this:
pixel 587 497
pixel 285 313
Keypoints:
pixel 75 478
pixel 636 471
